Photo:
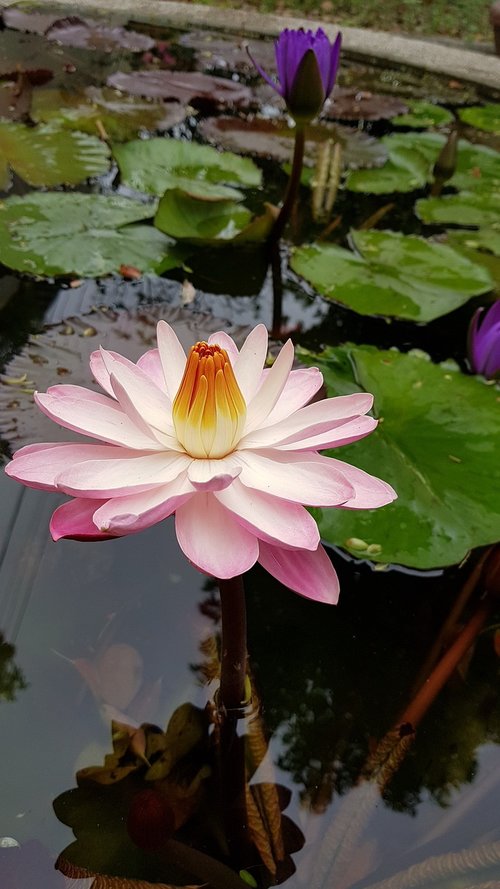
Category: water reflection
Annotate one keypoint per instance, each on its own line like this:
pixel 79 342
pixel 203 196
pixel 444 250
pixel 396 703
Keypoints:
pixel 11 677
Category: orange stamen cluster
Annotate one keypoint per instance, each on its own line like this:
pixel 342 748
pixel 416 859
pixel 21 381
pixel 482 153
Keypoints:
pixel 209 410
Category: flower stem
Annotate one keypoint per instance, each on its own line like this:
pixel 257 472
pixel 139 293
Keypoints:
pixel 292 187
pixel 234 643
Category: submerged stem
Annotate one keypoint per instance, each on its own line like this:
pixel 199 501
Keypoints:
pixel 234 643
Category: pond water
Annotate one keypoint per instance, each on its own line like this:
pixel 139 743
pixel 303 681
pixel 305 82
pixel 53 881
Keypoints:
pixel 364 781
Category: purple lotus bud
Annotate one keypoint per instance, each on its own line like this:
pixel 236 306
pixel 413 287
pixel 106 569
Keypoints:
pixel 484 341
pixel 306 64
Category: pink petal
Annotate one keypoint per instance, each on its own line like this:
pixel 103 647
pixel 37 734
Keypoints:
pixel 312 480
pixel 370 492
pixel 151 365
pixel 301 385
pixel 270 518
pixel 222 339
pixel 38 465
pixel 128 515
pixel 151 403
pixel 213 475
pixel 94 415
pixel 334 438
pixel 211 538
pixel 310 420
pixel 74 520
pixel 261 405
pixel 311 574
pixel 172 357
pixel 100 371
pixel 129 405
pixel 250 362
pixel 120 477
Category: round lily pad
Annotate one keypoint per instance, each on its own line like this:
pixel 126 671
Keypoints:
pixel 61 355
pixel 49 155
pixel 435 443
pixel 466 208
pixel 350 103
pixel 421 115
pixel 103 109
pixel 186 86
pixel 401 276
pixel 484 117
pixel 155 165
pixel 89 34
pixel 57 233
pixel 192 218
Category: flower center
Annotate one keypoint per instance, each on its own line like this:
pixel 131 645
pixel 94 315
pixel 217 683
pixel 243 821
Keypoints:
pixel 209 410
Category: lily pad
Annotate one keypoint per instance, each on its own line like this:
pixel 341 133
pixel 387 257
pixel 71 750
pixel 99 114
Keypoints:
pixel 55 233
pixel 422 115
pixel 215 51
pixel 89 34
pixel 483 117
pixel 466 208
pixel 187 86
pixel 405 170
pixel 436 444
pixel 155 165
pixel 400 276
pixel 49 155
pixel 98 109
pixel 274 138
pixel 186 217
pixel 355 104
pixel 481 247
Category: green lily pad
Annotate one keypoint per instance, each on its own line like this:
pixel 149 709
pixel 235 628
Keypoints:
pixel 484 117
pixel 120 115
pixel 187 217
pixel 466 208
pixel 405 170
pixel 422 115
pixel 88 235
pixel 401 276
pixel 481 247
pixel 49 155
pixel 436 444
pixel 155 165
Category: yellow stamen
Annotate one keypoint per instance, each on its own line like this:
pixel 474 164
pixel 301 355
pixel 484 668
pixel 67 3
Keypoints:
pixel 209 410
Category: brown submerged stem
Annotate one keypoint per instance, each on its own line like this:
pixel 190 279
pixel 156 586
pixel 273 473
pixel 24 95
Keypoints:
pixel 292 187
pixel 234 644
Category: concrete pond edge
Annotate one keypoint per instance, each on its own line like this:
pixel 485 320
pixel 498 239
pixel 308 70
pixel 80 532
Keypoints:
pixel 467 65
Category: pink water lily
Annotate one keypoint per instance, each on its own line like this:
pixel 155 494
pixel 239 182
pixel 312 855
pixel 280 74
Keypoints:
pixel 228 446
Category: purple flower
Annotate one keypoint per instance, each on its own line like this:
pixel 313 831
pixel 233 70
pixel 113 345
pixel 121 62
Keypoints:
pixel 484 341
pixel 306 65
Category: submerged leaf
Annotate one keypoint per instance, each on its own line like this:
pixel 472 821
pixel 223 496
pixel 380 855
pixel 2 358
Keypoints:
pixel 73 31
pixel 348 103
pixel 186 86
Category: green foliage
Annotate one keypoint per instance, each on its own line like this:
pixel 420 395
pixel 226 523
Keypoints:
pixel 484 117
pixel 422 115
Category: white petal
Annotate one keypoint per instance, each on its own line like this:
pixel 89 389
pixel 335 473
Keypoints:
pixel 345 434
pixel 311 574
pixel 270 518
pixel 310 420
pixel 151 365
pixel 301 385
pixel 149 401
pixel 37 466
pixel 312 480
pixel 212 539
pixel 100 367
pixel 250 362
pixel 128 515
pixel 172 357
pixel 94 415
pixel 370 492
pixel 115 478
pixel 226 342
pixel 130 403
pixel 261 405
pixel 213 475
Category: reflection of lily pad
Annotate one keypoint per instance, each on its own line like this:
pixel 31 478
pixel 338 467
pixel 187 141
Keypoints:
pixel 61 354
pixel 436 445
pixel 55 233
pixel 484 117
pixel 395 275
pixel 121 116
pixel 274 139
pixel 194 219
pixel 88 34
pixel 186 86
pixel 155 165
pixel 49 156
pixel 354 104
pixel 466 208
pixel 422 115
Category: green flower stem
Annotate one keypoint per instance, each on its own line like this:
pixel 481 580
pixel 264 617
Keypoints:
pixel 234 644
pixel 292 187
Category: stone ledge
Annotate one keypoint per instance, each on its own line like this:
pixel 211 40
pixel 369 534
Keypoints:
pixel 466 65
